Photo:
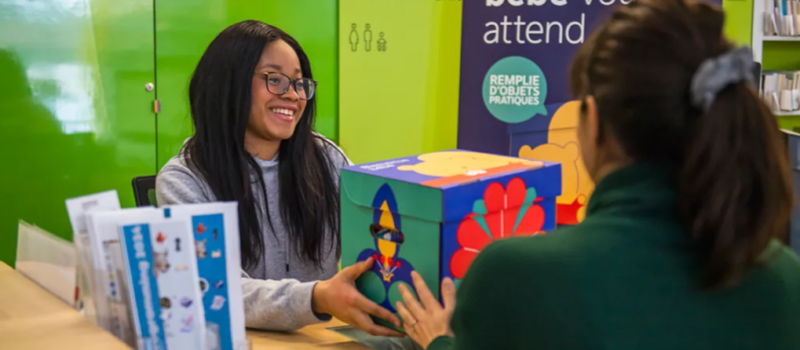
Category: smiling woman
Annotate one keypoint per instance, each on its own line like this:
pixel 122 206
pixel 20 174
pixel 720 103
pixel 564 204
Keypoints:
pixel 280 95
pixel 253 105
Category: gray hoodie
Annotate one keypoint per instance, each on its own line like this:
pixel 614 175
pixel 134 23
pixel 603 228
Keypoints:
pixel 277 292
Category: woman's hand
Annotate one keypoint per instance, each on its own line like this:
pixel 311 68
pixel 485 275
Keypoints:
pixel 339 298
pixel 428 321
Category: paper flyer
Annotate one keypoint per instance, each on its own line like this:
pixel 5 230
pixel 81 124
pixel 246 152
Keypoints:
pixel 103 228
pixel 77 209
pixel 117 294
pixel 215 227
pixel 162 274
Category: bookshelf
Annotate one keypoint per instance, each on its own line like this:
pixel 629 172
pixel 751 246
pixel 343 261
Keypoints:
pixel 781 38
pixel 758 40
pixel 763 34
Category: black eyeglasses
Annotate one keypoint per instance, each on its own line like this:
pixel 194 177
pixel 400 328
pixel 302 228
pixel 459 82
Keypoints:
pixel 279 84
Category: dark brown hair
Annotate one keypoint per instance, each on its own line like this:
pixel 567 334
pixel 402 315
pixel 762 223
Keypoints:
pixel 733 179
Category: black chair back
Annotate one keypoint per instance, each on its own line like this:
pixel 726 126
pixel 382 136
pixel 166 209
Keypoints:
pixel 144 190
pixel 793 144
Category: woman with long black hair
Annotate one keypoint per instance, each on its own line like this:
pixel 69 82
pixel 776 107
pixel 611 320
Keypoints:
pixel 253 103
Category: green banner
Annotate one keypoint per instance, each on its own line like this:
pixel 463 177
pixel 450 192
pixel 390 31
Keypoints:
pixel 398 77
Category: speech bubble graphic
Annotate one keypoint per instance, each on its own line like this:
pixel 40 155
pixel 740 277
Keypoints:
pixel 515 89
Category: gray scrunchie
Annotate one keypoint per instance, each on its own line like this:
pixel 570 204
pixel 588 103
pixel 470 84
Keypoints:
pixel 717 73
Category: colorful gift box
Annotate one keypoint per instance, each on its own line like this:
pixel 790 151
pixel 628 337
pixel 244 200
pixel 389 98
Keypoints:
pixel 433 213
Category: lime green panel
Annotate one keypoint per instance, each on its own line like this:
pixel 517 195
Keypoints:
pixel 789 122
pixel 739 20
pixel 76 116
pixel 782 55
pixel 185 28
pixel 402 100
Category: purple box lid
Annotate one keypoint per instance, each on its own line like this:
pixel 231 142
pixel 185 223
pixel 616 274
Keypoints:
pixel 447 169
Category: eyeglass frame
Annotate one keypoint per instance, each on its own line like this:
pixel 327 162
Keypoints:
pixel 292 84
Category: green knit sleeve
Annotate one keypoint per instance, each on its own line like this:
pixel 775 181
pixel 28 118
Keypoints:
pixel 442 343
pixel 484 302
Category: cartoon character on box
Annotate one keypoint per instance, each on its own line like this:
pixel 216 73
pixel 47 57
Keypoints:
pixel 562 147
pixel 386 230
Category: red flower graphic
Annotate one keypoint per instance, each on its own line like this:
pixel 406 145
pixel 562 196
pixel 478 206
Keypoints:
pixel 503 208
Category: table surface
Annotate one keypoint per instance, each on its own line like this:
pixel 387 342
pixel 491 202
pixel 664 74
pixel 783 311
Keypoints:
pixel 32 318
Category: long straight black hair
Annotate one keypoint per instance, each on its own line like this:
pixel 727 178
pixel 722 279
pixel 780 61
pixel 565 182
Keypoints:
pixel 220 97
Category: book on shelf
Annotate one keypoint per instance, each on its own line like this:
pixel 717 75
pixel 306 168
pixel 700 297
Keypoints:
pixel 780 90
pixel 781 18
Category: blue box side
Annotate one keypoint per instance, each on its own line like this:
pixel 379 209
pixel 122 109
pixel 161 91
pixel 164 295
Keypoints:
pixel 459 201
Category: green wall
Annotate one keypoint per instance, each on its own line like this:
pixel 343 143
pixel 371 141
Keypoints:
pixel 738 20
pixel 75 115
pixel 404 100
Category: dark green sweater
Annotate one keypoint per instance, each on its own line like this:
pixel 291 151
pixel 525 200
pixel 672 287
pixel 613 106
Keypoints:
pixel 624 279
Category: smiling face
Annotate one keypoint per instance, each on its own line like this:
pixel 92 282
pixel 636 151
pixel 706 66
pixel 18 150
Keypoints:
pixel 272 117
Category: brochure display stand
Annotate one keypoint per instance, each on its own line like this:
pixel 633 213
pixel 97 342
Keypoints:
pixel 162 278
